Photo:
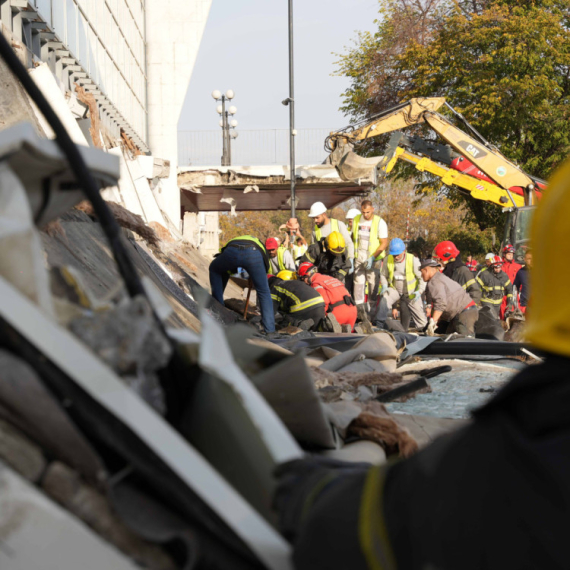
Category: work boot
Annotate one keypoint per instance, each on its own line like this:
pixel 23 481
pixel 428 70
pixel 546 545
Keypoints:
pixel 306 325
pixel 330 324
pixel 361 313
pixel 346 328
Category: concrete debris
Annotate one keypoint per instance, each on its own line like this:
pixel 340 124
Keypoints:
pixel 251 188
pixel 128 340
pixel 232 202
pixel 24 456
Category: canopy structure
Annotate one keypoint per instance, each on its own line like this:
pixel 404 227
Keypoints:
pixel 218 189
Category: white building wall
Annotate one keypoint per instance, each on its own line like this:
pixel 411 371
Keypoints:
pixel 173 33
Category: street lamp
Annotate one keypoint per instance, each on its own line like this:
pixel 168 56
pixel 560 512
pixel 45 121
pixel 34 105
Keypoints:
pixel 226 124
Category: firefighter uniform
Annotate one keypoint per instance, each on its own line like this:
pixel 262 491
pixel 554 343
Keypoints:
pixel 327 263
pixel 297 301
pixel 337 299
pixel 461 274
pixel 495 287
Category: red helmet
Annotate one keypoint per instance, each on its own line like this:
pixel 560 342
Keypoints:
pixel 496 261
pixel 445 251
pixel 271 243
pixel 508 249
pixel 306 268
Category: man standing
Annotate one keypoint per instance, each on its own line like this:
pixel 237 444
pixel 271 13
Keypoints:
pixel 401 280
pixel 471 263
pixel 250 254
pixel 522 281
pixel 338 303
pixel 329 256
pixel 370 237
pixel 325 226
pixel 453 310
pixel 279 258
pixel 350 215
pixel 510 266
pixel 449 256
pixel 496 285
pixel 299 248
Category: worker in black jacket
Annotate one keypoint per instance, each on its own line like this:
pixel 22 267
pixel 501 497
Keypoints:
pixel 296 301
pixel 496 285
pixel 522 281
pixel 329 256
pixel 454 268
pixel 490 496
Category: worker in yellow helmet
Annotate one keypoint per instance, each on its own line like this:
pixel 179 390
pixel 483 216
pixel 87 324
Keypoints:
pixel 329 256
pixel 493 494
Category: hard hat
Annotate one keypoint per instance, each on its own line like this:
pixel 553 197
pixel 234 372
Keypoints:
pixel 445 251
pixel 508 249
pixel 352 213
pixel 287 275
pixel 334 242
pixel 397 246
pixel 271 243
pixel 547 324
pixel 489 256
pixel 317 209
pixel 306 268
pixel 496 261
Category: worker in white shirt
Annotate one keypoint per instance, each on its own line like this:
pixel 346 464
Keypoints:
pixel 370 237
pixel 325 226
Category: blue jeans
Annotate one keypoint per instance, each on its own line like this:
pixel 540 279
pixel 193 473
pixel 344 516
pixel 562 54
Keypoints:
pixel 251 259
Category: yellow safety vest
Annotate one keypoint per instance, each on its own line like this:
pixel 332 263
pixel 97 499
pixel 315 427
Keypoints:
pixel 247 238
pixel 334 228
pixel 374 242
pixel 280 258
pixel 411 278
pixel 299 251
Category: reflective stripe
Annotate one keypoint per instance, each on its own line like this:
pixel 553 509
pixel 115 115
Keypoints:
pixel 308 256
pixel 374 242
pixel 492 301
pixel 305 305
pixel 299 251
pixel 411 278
pixel 276 298
pixel 334 228
pixel 288 294
pixel 468 284
pixel 342 271
pixel 372 532
pixel 280 256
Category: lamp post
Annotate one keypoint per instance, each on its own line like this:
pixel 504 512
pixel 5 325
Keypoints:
pixel 226 124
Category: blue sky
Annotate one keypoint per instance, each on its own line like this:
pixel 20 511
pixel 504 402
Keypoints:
pixel 244 48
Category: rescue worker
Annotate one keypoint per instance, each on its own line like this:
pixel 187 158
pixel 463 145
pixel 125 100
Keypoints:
pixel 522 281
pixel 350 215
pixel 496 285
pixel 370 237
pixel 452 309
pixel 325 226
pixel 338 301
pixel 401 280
pixel 250 254
pixel 329 256
pixel 454 268
pixel 510 266
pixel 298 302
pixel 488 258
pixel 491 495
pixel 279 258
pixel 299 248
pixel 471 263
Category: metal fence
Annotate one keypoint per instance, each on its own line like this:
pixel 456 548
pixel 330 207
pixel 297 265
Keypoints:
pixel 259 147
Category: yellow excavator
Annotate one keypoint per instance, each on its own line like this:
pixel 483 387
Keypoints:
pixel 467 161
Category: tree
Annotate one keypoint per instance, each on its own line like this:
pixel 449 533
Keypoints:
pixel 504 64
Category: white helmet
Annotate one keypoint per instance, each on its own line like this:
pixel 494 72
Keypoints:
pixel 352 213
pixel 317 209
pixel 489 256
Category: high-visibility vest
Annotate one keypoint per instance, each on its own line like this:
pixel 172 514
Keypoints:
pixel 280 258
pixel 334 228
pixel 374 242
pixel 299 251
pixel 247 238
pixel 411 278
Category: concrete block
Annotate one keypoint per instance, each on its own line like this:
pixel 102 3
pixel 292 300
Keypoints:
pixel 24 456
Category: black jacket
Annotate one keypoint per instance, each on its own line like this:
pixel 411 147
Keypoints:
pixel 336 266
pixel 495 286
pixel 521 283
pixel 294 296
pixel 460 273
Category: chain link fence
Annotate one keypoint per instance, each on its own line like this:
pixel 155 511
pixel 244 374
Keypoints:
pixel 255 147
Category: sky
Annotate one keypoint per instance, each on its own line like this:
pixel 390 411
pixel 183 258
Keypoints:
pixel 245 48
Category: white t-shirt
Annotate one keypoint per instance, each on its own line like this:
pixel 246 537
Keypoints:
pixel 364 228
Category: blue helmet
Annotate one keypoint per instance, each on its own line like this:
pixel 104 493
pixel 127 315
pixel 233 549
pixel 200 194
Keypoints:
pixel 397 246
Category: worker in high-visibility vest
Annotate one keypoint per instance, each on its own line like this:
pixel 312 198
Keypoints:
pixel 279 258
pixel 325 226
pixel 370 237
pixel 492 494
pixel 401 280
pixel 299 248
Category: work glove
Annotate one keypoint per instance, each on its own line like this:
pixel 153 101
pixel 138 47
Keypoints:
pixel 370 262
pixel 430 328
pixel 382 290
pixel 412 296
pixel 351 270
pixel 301 482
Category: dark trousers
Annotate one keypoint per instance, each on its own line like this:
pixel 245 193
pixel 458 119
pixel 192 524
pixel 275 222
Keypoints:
pixel 315 313
pixel 464 322
pixel 251 259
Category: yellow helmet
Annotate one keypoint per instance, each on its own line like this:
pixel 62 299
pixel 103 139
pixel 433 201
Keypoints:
pixel 287 275
pixel 334 242
pixel 549 309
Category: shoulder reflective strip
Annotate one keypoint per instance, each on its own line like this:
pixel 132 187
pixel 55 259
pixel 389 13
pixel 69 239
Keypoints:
pixel 507 282
pixel 469 283
pixel 492 301
pixel 307 304
pixel 342 271
pixel 372 531
pixel 289 294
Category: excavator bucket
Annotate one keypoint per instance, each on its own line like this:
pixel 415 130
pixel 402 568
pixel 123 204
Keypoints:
pixel 352 167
